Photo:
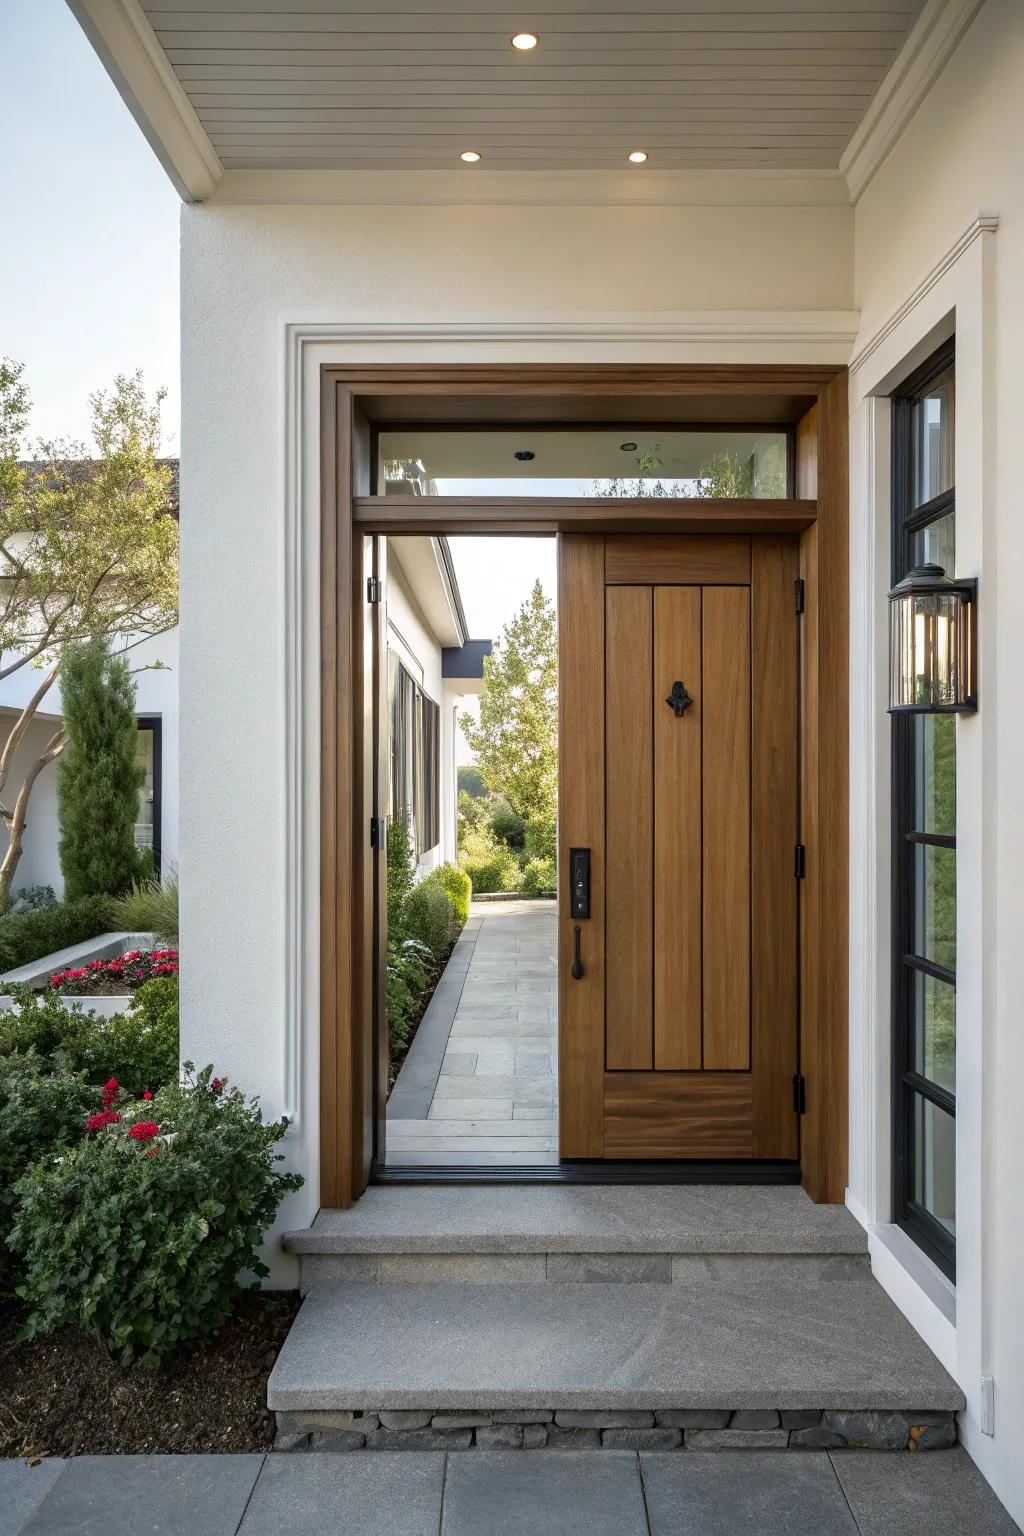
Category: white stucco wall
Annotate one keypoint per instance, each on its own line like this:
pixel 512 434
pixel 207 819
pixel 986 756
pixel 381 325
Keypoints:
pixel 961 155
pixel 249 680
pixel 40 860
pixel 156 694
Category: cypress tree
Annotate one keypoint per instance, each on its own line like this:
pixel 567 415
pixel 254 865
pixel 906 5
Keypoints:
pixel 99 776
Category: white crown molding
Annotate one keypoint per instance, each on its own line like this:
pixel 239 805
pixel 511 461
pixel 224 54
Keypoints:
pixel 834 327
pixel 473 186
pixel 913 72
pixel 985 223
pixel 121 35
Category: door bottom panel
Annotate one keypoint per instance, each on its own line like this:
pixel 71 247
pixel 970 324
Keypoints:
pixel 678 1114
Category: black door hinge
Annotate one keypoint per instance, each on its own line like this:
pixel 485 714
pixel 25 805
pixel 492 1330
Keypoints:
pixel 800 861
pixel 799 1094
pixel 374 589
pixel 378 832
pixel 798 589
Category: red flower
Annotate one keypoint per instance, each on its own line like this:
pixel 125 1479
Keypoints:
pixel 217 1084
pixel 144 1130
pixel 111 1089
pixel 151 1152
pixel 147 1094
pixel 102 1119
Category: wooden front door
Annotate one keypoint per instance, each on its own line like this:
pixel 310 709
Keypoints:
pixel 678 803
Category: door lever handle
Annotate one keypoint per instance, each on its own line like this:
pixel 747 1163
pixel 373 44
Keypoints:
pixel 577 964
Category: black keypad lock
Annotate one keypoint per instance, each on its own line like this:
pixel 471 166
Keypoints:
pixel 579 882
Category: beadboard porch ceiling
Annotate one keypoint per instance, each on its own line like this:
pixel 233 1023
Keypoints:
pixel 411 84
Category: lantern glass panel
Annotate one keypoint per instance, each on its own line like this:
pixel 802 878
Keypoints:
pixel 932 442
pixel 927 662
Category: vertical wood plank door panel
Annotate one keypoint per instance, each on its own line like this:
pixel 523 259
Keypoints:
pixel 726 797
pixel 678 979
pixel 773 830
pixel 680 1038
pixel 629 820
pixel 581 825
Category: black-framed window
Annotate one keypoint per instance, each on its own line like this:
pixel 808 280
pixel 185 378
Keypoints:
pixel 415 758
pixel 150 754
pixel 924 841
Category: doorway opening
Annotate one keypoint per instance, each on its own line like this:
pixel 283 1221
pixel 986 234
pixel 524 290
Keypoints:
pixel 471 966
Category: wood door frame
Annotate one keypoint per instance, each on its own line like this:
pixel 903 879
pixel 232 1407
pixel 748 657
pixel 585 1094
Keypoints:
pixel 349 868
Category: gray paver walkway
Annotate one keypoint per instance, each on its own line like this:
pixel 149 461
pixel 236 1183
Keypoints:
pixel 495 1099
pixel 523 1493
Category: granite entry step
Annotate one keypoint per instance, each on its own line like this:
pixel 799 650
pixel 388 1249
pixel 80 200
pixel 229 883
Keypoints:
pixel 608 1365
pixel 648 1218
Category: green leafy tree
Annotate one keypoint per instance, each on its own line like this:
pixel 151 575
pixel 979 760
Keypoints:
pixel 100 774
pixel 515 740
pixel 726 476
pixel 87 549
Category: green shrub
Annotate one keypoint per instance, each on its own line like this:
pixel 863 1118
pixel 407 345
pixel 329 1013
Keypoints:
pixel 541 839
pixel 138 1236
pixel 429 916
pixel 28 936
pixel 539 877
pixel 507 826
pixel 409 968
pixel 457 887
pixel 151 906
pixel 99 775
pixel 42 1111
pixel 471 781
pixel 491 866
pixel 138 1047
pixel 400 870
pixel 32 898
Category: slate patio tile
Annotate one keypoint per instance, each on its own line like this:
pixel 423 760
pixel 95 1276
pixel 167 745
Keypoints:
pixel 22 1487
pixel 157 1495
pixel 544 1493
pixel 363 1494
pixel 940 1493
pixel 717 1493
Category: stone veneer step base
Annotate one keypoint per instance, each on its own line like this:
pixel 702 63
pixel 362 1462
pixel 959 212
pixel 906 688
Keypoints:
pixel 663 1429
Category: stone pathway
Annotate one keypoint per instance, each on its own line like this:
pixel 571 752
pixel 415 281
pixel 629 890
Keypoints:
pixel 523 1493
pixel 496 1095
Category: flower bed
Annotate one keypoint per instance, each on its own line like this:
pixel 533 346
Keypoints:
pixel 113 977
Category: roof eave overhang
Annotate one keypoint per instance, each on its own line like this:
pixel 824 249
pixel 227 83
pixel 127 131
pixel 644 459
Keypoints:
pixel 122 36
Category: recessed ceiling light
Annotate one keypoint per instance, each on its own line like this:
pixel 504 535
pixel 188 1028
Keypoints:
pixel 628 447
pixel 524 455
pixel 470 156
pixel 524 41
pixel 638 156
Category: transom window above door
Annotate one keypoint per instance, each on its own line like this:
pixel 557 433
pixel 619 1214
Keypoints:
pixel 627 462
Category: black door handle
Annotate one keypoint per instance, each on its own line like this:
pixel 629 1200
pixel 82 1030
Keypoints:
pixel 679 699
pixel 577 964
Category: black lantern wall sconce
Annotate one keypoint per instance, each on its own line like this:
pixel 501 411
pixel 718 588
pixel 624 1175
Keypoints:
pixel 933 635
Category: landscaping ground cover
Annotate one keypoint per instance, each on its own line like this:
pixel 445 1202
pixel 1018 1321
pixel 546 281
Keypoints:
pixel 64 1395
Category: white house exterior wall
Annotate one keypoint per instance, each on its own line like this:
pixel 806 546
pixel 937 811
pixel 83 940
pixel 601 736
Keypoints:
pixel 269 293
pixel 921 249
pixel 156 694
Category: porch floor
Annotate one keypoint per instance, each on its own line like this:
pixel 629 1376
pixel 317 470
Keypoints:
pixel 480 1083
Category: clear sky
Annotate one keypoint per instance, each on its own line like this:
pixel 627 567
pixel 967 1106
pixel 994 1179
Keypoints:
pixel 89 251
